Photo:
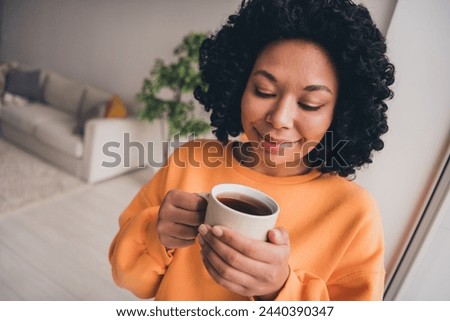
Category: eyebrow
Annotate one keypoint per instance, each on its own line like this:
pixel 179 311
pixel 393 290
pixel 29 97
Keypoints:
pixel 272 78
pixel 317 87
pixel 266 74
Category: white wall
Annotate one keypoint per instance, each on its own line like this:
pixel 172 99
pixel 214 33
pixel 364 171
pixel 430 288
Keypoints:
pixel 423 273
pixel 113 43
pixel 403 174
pixel 109 43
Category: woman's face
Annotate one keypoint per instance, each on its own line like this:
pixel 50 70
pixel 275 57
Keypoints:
pixel 288 104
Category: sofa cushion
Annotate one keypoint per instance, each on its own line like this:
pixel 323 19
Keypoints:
pixel 24 83
pixel 9 99
pixel 4 67
pixel 57 133
pixel 94 97
pixel 63 93
pixel 115 108
pixel 94 106
pixel 96 111
pixel 27 116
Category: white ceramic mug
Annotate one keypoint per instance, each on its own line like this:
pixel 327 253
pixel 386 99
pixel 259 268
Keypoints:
pixel 238 219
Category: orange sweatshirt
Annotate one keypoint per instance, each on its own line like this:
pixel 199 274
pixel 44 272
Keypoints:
pixel 334 227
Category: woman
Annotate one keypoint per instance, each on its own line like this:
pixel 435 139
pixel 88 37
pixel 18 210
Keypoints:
pixel 305 81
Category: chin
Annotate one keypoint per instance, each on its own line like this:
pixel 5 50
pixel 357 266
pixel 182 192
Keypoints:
pixel 283 157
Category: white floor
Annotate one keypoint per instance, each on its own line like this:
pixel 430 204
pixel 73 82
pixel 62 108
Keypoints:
pixel 58 249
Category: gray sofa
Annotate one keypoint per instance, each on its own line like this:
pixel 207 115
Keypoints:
pixel 45 126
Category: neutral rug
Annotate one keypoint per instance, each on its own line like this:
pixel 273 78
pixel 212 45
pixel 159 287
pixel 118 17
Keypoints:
pixel 26 179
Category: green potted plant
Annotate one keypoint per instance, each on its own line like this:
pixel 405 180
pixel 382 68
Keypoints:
pixel 179 77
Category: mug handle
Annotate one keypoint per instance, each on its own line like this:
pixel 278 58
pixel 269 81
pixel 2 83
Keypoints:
pixel 204 195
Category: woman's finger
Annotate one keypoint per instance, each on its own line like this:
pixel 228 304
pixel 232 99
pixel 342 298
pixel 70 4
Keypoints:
pixel 257 250
pixel 186 201
pixel 224 275
pixel 230 255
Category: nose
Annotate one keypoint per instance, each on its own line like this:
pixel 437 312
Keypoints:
pixel 282 114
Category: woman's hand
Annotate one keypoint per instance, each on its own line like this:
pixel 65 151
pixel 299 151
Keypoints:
pixel 179 217
pixel 245 266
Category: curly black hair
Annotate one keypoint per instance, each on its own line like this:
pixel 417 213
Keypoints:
pixel 356 46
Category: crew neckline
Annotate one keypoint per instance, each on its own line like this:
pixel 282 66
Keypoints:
pixel 257 176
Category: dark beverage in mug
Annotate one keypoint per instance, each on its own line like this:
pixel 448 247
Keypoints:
pixel 242 209
pixel 244 203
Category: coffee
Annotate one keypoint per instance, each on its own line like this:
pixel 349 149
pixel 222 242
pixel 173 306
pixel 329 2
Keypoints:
pixel 245 204
pixel 242 209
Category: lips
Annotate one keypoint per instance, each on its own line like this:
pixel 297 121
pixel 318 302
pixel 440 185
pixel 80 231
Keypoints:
pixel 273 145
pixel 272 148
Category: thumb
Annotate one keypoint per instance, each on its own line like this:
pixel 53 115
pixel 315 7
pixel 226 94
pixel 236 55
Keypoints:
pixel 278 236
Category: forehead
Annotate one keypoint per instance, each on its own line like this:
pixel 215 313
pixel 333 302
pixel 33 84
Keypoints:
pixel 293 50
pixel 296 58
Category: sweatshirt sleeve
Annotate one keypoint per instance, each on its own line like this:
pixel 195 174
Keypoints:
pixel 137 258
pixel 304 286
pixel 358 274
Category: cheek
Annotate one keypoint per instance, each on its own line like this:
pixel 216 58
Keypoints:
pixel 251 110
pixel 313 127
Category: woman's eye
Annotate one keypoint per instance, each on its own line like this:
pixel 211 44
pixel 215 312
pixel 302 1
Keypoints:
pixel 263 94
pixel 308 107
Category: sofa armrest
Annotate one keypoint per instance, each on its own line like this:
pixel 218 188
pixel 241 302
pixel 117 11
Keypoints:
pixel 114 146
